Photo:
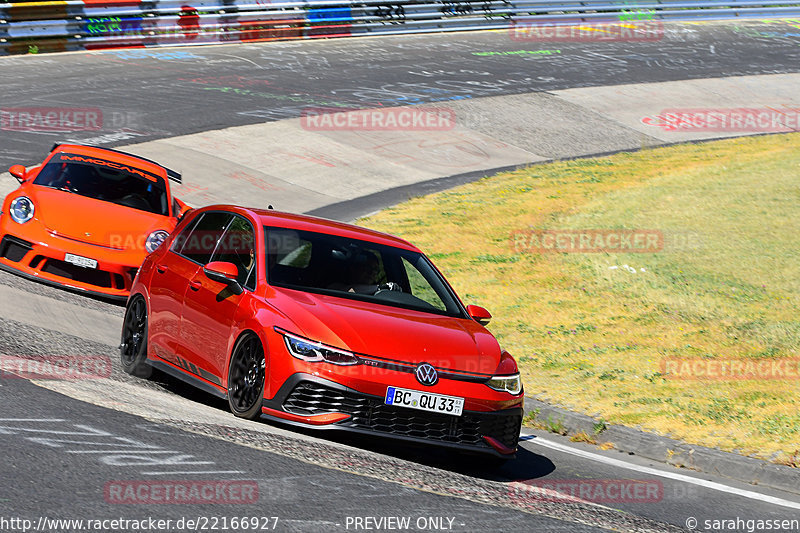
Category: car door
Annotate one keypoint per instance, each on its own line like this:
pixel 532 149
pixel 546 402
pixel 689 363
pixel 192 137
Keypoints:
pixel 189 252
pixel 210 308
pixel 168 283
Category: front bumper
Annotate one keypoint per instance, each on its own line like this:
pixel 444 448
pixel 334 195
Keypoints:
pixel 44 261
pixel 315 402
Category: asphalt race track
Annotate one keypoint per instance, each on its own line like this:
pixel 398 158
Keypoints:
pixel 67 443
pixel 158 93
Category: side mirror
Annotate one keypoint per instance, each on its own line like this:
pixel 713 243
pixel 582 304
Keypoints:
pixel 479 314
pixel 18 171
pixel 179 209
pixel 226 273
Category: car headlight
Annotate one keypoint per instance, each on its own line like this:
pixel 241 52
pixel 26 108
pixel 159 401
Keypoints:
pixel 154 240
pixel 316 352
pixel 511 384
pixel 21 209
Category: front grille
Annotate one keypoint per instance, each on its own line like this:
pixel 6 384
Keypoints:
pixel 14 249
pixel 98 278
pixel 369 412
pixel 34 263
pixel 312 399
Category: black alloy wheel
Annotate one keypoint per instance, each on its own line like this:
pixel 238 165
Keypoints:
pixel 246 377
pixel 133 345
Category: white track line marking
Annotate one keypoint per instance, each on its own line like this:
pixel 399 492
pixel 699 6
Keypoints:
pixel 165 473
pixel 129 451
pixel 32 420
pixel 655 472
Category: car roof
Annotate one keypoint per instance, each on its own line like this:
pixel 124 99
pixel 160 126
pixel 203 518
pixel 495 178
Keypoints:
pixel 116 155
pixel 281 219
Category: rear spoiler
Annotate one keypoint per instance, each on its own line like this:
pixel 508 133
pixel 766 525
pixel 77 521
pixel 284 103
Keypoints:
pixel 171 174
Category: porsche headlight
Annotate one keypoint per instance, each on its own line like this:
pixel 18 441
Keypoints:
pixel 21 209
pixel 316 352
pixel 155 239
pixel 511 384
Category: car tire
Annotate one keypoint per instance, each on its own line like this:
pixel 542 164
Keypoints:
pixel 133 344
pixel 246 377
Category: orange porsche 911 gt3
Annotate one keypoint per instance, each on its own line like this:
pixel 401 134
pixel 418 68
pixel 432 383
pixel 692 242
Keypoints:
pixel 86 218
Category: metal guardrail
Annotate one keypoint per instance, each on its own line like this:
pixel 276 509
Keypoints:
pixel 91 24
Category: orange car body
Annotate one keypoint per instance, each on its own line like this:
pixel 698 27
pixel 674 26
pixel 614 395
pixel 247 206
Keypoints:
pixel 93 214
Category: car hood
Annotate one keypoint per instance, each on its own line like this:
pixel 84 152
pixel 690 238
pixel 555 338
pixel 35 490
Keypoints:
pixel 95 221
pixel 390 332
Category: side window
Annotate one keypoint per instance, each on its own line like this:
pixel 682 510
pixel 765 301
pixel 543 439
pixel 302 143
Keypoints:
pixel 180 239
pixel 238 246
pixel 288 256
pixel 201 240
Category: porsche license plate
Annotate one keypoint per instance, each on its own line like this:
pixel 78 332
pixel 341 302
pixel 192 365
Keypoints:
pixel 424 401
pixel 77 260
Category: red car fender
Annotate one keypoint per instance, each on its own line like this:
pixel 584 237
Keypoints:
pixel 143 278
pixel 248 327
pixel 507 365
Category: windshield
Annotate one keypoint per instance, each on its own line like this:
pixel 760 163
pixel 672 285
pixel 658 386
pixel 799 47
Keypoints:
pixel 357 270
pixel 107 181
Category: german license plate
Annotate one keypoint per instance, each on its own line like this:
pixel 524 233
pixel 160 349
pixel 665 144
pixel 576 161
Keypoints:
pixel 424 401
pixel 77 260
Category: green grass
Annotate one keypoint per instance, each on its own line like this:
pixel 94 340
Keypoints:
pixel 591 338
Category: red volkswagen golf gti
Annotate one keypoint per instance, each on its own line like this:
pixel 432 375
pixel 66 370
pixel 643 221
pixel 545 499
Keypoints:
pixel 321 324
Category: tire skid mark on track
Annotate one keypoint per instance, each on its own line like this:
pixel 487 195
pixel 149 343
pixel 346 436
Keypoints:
pixel 78 300
pixel 60 316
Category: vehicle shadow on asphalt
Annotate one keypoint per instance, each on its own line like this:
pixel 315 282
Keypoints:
pixel 527 465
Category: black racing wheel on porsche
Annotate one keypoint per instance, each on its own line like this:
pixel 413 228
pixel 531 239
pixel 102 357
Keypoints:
pixel 133 345
pixel 246 377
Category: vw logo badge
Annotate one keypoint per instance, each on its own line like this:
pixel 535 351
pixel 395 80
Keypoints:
pixel 427 375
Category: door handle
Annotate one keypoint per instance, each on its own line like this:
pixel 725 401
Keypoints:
pixel 195 285
pixel 161 268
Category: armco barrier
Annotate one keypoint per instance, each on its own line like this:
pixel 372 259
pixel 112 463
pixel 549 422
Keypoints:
pixel 89 24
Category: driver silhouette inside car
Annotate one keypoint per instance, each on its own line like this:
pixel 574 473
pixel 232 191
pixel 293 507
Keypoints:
pixel 363 276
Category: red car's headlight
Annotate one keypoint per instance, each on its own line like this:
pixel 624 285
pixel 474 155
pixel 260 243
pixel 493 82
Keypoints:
pixel 511 384
pixel 316 352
